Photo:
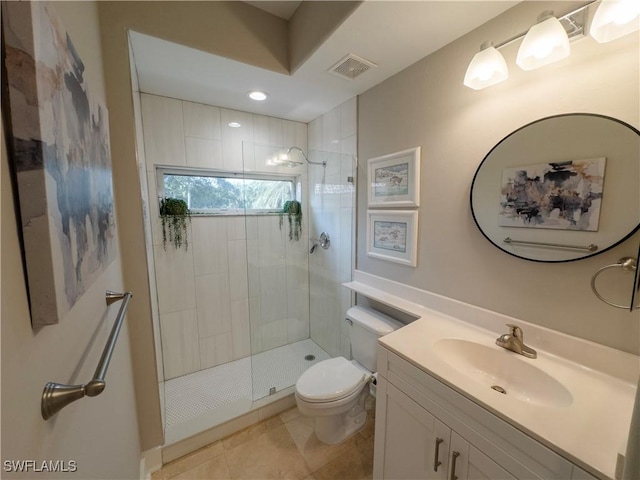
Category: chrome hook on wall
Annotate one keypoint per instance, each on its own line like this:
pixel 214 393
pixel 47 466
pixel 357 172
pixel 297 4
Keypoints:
pixel 627 264
pixel 324 241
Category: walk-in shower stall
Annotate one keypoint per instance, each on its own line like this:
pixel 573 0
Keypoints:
pixel 254 298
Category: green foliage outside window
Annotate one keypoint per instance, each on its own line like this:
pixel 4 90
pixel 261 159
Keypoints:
pixel 220 194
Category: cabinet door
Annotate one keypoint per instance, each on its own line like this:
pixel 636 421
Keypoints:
pixel 415 443
pixel 468 463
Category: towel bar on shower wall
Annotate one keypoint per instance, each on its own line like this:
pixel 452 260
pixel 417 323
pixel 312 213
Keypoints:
pixel 56 396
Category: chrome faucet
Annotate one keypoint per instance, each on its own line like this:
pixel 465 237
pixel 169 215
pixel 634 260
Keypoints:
pixel 514 341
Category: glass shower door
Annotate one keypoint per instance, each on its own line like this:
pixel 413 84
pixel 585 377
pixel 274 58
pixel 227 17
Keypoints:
pixel 296 303
pixel 277 266
pixel 332 211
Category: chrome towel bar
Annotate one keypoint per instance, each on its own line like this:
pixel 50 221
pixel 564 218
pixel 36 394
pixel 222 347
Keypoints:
pixel 56 396
pixel 589 248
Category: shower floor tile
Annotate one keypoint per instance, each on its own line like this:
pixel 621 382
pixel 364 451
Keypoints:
pixel 219 388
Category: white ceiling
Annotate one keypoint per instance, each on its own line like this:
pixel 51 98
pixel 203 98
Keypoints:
pixel 391 34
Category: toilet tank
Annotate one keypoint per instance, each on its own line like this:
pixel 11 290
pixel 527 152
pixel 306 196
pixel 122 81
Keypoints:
pixel 366 326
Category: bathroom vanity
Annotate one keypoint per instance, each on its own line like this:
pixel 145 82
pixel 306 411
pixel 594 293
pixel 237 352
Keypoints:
pixel 425 429
pixel 452 404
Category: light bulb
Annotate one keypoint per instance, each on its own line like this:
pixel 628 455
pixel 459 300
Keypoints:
pixel 258 95
pixel 543 49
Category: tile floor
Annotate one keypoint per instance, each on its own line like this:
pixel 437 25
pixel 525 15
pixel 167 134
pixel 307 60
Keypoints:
pixel 280 447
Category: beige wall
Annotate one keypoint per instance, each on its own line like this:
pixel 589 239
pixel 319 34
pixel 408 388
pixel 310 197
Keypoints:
pixel 427 105
pixel 99 433
pixel 312 23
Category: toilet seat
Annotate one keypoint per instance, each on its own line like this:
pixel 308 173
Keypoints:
pixel 331 380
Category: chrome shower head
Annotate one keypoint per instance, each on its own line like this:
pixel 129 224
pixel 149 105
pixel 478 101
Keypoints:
pixel 324 163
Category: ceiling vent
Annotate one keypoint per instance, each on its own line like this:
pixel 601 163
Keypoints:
pixel 351 66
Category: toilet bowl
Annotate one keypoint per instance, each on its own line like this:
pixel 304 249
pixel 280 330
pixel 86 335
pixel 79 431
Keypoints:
pixel 334 391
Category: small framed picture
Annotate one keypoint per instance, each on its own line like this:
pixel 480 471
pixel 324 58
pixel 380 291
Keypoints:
pixel 392 235
pixel 394 179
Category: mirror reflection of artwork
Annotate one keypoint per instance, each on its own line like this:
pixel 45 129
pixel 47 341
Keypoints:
pixel 60 150
pixel 390 236
pixel 391 180
pixel 557 195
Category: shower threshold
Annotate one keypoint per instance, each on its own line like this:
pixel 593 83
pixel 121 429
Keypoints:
pixel 205 399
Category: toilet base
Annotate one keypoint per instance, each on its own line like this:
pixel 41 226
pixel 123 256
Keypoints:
pixel 337 428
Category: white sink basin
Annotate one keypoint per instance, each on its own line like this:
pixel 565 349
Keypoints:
pixel 503 371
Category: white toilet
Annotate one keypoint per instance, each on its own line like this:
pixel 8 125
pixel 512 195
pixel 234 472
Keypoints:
pixel 334 391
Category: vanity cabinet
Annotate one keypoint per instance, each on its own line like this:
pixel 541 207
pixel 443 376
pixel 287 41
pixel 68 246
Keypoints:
pixel 427 430
pixel 417 445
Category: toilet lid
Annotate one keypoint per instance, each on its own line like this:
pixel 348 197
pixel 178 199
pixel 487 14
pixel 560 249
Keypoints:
pixel 330 380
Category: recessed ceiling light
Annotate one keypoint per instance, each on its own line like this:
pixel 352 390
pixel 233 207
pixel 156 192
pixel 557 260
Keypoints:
pixel 258 95
pixel 234 124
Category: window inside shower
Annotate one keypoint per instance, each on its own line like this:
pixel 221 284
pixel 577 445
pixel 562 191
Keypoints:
pixel 219 193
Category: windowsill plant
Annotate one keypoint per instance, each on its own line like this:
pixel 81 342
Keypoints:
pixel 174 214
pixel 293 211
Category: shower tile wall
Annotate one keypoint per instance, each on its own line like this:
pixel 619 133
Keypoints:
pixel 238 288
pixel 332 137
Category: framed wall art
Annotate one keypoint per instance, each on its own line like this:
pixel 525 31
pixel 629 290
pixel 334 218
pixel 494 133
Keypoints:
pixel 394 179
pixel 59 149
pixel 392 235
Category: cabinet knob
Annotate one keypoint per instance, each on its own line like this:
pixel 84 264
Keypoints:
pixel 436 462
pixel 454 457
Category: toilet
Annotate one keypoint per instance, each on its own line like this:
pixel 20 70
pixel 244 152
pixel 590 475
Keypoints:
pixel 334 391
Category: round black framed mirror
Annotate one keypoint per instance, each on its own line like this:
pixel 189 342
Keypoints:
pixel 561 188
pixel 635 290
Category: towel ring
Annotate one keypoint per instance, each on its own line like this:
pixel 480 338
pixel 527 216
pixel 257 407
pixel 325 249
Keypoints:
pixel 627 264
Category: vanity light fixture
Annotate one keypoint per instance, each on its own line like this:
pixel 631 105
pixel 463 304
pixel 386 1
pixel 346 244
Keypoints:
pixel 546 42
pixel 258 95
pixel 487 68
pixel 615 19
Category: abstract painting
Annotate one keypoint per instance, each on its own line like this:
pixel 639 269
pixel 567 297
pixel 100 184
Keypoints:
pixel 394 179
pixel 557 195
pixel 392 235
pixel 59 146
